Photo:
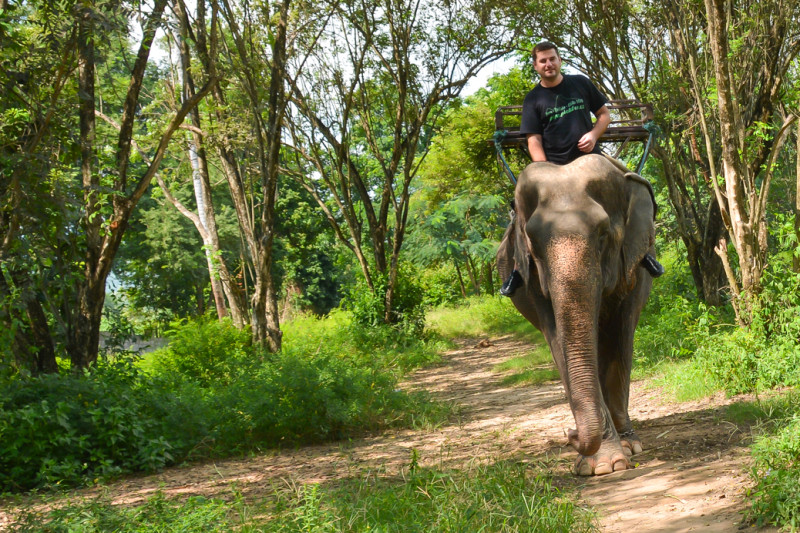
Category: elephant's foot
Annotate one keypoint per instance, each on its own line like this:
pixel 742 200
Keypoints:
pixel 631 443
pixel 610 458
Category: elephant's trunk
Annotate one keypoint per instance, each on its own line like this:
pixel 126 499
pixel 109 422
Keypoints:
pixel 575 292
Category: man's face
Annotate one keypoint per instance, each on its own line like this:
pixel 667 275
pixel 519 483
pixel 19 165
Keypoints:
pixel 547 65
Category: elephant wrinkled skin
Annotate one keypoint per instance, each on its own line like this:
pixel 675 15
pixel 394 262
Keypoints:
pixel 577 238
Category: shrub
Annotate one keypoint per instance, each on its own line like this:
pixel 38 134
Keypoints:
pixel 68 429
pixel 441 286
pixel 210 393
pixel 767 353
pixel 207 350
pixel 369 306
pixel 776 470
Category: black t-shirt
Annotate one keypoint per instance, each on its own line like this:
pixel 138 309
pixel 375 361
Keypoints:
pixel 561 115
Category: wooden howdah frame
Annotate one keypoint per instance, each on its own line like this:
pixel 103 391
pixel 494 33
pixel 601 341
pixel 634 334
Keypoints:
pixel 631 121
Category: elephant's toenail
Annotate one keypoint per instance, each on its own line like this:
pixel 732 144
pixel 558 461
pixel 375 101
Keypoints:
pixel 620 465
pixel 603 468
pixel 627 451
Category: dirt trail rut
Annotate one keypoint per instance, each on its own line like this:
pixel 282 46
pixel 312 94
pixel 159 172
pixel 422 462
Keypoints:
pixel 691 476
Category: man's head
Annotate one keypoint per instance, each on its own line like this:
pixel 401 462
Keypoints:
pixel 547 63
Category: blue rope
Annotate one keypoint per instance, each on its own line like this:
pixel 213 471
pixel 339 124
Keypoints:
pixel 498 138
pixel 654 131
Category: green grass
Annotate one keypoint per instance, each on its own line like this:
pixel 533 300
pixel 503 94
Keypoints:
pixel 530 369
pixel 484 315
pixel 501 497
pixel 775 423
pixel 683 380
pixel 194 515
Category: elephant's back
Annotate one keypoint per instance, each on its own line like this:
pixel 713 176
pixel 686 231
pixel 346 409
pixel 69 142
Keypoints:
pixel 575 175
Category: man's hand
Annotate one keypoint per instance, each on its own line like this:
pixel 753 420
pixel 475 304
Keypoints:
pixel 587 142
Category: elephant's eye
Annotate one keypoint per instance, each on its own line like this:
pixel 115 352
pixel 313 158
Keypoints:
pixel 603 229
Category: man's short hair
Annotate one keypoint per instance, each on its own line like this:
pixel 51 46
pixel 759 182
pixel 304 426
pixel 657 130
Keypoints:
pixel 543 47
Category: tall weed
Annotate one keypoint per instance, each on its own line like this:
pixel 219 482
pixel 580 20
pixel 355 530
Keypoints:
pixel 210 393
pixel 504 497
pixel 58 430
pixel 776 464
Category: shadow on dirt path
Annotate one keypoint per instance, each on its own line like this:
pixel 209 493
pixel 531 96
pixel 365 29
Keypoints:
pixel 692 475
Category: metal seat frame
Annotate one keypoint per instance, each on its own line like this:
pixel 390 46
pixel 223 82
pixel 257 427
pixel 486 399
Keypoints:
pixel 622 130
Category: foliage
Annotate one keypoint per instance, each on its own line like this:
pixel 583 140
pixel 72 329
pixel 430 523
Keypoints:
pixel 440 286
pixel 161 267
pixel 461 161
pixel 207 351
pixel 209 393
pixel 369 305
pixel 387 347
pixel 304 252
pixel 766 354
pixel 674 323
pixel 58 430
pixel 464 231
pixel 195 515
pixel 502 497
pixel 776 466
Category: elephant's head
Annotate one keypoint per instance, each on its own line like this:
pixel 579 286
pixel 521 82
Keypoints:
pixel 582 230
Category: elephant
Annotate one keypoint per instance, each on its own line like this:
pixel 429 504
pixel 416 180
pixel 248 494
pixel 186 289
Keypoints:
pixel 577 237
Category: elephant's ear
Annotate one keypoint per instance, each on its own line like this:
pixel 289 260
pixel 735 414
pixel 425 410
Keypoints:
pixel 639 227
pixel 505 253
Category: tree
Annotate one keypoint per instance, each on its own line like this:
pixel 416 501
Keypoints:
pixel 254 58
pixel 750 127
pixel 110 187
pixel 464 231
pixel 364 113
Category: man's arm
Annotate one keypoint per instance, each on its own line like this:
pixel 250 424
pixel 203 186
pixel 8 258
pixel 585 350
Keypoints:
pixel 587 142
pixel 535 147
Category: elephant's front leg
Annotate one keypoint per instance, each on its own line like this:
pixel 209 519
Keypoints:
pixel 615 357
pixel 616 360
pixel 615 382
pixel 611 457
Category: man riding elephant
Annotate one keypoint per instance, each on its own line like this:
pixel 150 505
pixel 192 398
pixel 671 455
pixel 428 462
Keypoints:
pixel 556 118
pixel 581 244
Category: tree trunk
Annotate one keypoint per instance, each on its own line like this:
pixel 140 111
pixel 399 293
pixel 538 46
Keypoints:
pixel 104 235
pixel 744 203
pixel 33 351
pixel 200 179
pixel 487 269
pixel 796 257
pixel 473 276
pixel 83 344
pixel 205 212
pixel 460 280
pixel 200 298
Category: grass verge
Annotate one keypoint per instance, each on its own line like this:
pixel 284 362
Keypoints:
pixel 775 472
pixel 532 368
pixel 501 497
pixel 482 315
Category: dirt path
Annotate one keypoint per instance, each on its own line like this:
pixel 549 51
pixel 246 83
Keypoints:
pixel 692 475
